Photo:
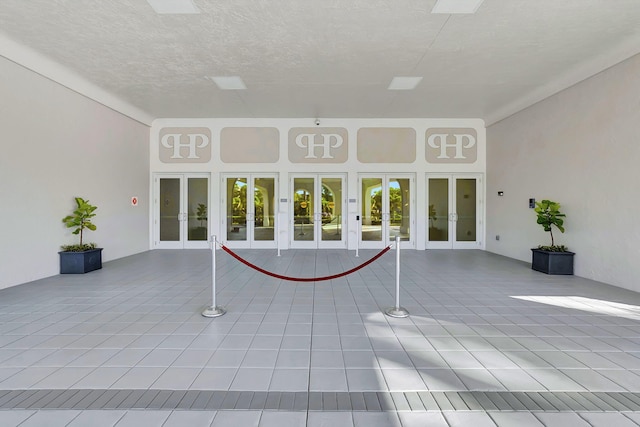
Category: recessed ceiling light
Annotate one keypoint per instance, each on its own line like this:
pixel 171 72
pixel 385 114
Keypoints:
pixel 229 82
pixel 173 6
pixel 404 83
pixel 456 6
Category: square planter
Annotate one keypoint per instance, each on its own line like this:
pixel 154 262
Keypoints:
pixel 80 262
pixel 552 262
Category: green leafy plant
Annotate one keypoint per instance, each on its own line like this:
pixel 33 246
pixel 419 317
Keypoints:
pixel 201 213
pixel 79 220
pixel 549 216
pixel 433 215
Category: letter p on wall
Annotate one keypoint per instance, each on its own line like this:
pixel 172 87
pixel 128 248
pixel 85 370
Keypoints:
pixel 451 145
pixel 185 145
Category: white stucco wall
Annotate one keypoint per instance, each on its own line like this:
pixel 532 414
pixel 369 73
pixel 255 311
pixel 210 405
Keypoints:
pixel 580 147
pixel 56 144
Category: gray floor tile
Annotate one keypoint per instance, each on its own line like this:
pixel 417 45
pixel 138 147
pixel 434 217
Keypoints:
pixel 266 341
pixel 139 378
pixel 591 380
pixel 493 359
pixel 293 359
pixel 633 416
pixel 101 418
pixel 214 379
pixel 554 379
pixel 607 419
pixel 328 380
pixel 63 378
pixel 376 419
pixel 127 357
pixel 50 418
pixel 26 378
pixel 628 380
pixel 517 380
pixel 256 379
pixel 520 419
pixel 260 359
pixel 159 358
pixel 330 419
pixel 192 358
pixel 290 380
pixel 279 419
pixel 150 347
pixel 561 419
pixel 15 417
pixel 176 378
pixel 234 418
pixel 143 418
pixel 476 419
pixel 366 380
pixel 226 359
pixel 327 359
pixel 421 419
pixel 403 379
pixel 360 359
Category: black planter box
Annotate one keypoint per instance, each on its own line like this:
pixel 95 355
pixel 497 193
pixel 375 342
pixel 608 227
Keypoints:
pixel 80 262
pixel 552 262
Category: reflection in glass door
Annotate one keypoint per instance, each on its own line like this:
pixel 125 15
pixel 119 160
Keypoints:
pixel 250 211
pixel 453 211
pixel 317 212
pixel 386 210
pixel 181 217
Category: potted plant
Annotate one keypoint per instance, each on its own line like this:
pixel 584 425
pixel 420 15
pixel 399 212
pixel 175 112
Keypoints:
pixel 554 259
pixel 82 257
pixel 200 233
pixel 435 234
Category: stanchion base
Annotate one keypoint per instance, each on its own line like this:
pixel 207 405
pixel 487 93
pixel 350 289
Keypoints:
pixel 213 311
pixel 396 312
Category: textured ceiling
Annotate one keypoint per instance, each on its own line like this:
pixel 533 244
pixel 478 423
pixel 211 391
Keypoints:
pixel 329 58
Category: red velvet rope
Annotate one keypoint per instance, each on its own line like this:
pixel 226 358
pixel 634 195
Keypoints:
pixel 304 279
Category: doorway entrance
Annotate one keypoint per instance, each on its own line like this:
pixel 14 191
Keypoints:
pixel 181 218
pixel 317 211
pixel 386 210
pixel 249 206
pixel 454 214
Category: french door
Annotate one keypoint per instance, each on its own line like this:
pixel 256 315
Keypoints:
pixel 181 218
pixel 249 219
pixel 454 212
pixel 317 211
pixel 386 210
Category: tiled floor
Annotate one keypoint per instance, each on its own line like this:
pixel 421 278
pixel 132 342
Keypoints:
pixel 488 342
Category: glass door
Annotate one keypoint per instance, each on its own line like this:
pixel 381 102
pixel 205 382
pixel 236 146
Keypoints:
pixel 386 210
pixel 454 213
pixel 317 211
pixel 181 217
pixel 249 208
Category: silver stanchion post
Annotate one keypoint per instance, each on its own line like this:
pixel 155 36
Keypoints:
pixel 214 310
pixel 397 311
pixel 358 234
